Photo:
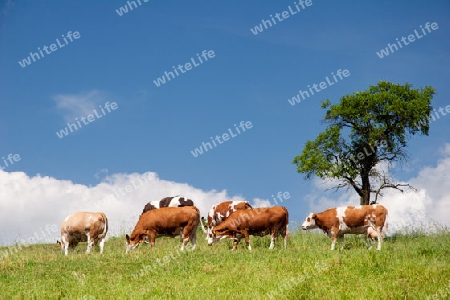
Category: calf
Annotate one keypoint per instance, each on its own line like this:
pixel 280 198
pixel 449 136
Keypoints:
pixel 258 221
pixel 221 212
pixel 166 221
pixel 90 227
pixel 349 220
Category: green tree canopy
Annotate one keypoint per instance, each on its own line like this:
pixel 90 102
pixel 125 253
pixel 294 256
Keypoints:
pixel 364 129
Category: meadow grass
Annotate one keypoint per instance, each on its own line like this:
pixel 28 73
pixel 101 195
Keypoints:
pixel 409 266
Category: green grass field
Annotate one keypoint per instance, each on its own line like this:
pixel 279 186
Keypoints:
pixel 414 266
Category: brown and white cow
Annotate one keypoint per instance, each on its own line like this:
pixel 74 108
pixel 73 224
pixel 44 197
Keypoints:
pixel 90 227
pixel 336 222
pixel 176 201
pixel 272 220
pixel 220 212
pixel 166 221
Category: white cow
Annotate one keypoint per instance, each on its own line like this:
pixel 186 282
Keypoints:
pixel 90 227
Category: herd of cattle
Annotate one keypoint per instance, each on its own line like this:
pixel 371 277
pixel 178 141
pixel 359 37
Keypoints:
pixel 178 216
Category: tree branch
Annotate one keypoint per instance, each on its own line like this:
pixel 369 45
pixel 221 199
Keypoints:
pixel 387 184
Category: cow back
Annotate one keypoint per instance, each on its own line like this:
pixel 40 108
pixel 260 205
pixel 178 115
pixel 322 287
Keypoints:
pixel 364 215
pixel 223 210
pixel 256 219
pixel 176 201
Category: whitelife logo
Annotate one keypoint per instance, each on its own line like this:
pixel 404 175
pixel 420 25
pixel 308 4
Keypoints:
pixel 225 137
pixel 27 61
pixel 411 38
pixel 11 158
pixel 90 118
pixel 123 10
pixel 284 15
pixel 187 67
pixel 318 87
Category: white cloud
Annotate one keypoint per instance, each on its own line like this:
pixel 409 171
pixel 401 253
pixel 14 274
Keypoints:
pixel 29 204
pixel 260 203
pixel 79 105
pixel 97 175
pixel 421 210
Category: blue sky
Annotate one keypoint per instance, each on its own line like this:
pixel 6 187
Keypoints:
pixel 250 78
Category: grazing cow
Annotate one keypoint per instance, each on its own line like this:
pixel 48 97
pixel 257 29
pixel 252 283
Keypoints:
pixel 349 220
pixel 90 227
pixel 220 212
pixel 257 221
pixel 176 201
pixel 166 221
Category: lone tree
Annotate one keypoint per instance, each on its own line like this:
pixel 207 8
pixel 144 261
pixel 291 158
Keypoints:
pixel 365 129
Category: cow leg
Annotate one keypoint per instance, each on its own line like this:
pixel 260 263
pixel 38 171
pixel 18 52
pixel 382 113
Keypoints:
pixel 237 239
pixel 102 244
pixel 90 242
pixel 183 244
pixel 370 241
pixel 333 239
pixel 152 238
pixel 272 241
pixel 247 241
pixel 184 238
pixel 380 237
pixel 66 247
pixel 341 241
pixel 194 238
pixel 65 242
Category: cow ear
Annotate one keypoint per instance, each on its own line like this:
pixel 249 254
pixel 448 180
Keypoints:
pixel 128 238
pixel 313 216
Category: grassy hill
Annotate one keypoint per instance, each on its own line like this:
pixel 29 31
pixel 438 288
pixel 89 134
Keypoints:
pixel 414 266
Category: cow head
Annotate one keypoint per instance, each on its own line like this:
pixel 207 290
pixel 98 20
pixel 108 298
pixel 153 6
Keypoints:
pixel 72 243
pixel 211 237
pixel 211 222
pixel 209 233
pixel 220 232
pixel 133 241
pixel 61 244
pixel 310 222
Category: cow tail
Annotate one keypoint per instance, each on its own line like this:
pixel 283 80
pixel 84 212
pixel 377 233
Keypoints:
pixel 200 221
pixel 288 233
pixel 202 226
pixel 105 228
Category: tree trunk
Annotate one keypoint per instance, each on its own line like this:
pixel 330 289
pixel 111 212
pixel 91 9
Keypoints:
pixel 365 197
